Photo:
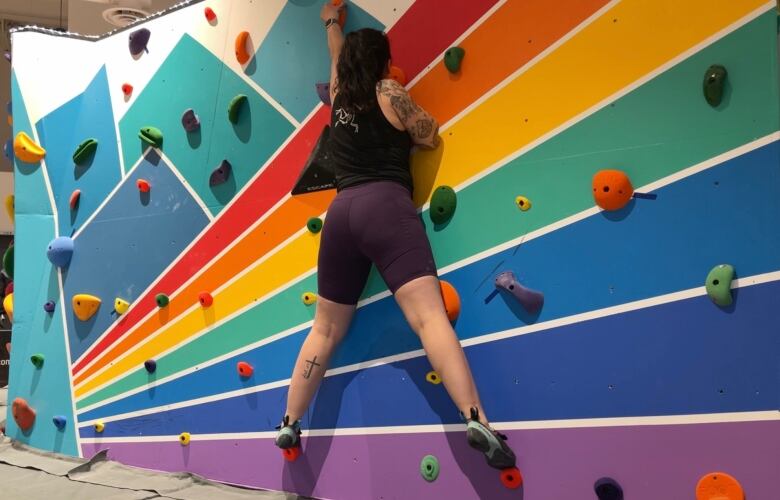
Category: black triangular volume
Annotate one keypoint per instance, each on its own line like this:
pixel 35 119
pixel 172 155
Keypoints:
pixel 317 174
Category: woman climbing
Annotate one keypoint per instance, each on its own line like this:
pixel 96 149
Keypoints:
pixel 374 124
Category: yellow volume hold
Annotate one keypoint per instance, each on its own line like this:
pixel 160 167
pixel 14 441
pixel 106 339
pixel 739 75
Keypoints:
pixel 28 150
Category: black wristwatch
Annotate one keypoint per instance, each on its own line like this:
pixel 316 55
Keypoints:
pixel 330 22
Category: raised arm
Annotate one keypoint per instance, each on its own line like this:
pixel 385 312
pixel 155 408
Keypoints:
pixel 335 38
pixel 421 126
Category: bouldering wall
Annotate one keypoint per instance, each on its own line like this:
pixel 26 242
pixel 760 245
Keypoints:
pixel 629 370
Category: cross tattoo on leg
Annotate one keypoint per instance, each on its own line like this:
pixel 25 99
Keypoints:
pixel 311 364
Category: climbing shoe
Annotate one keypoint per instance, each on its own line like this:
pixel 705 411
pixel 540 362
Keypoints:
pixel 489 442
pixel 289 434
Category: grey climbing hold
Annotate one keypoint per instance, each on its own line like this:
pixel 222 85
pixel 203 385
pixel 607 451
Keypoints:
pixel 221 174
pixel 531 300
pixel 190 121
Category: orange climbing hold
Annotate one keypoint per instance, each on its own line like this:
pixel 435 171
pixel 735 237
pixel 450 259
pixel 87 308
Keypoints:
pixel 24 415
pixel 291 454
pixel 242 54
pixel 398 75
pixel 85 306
pixel 75 196
pixel 244 369
pixel 205 299
pixel 719 486
pixel 612 189
pixel 511 478
pixel 451 300
pixel 143 185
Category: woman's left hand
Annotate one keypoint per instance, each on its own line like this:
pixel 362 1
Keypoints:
pixel 330 11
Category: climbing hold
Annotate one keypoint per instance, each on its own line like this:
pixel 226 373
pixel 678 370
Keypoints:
pixel 99 426
pixel 309 298
pixel 184 438
pixel 342 12
pixel 59 421
pixel 85 306
pixel 205 299
pixel 139 39
pixel 127 89
pixel 511 478
pixel 242 51
pixel 607 488
pixel 8 306
pixel 398 75
pixel 719 486
pixel 443 203
pixel 121 306
pixel 523 203
pixel 531 300
pixel 37 360
pixel 84 151
pixel 8 261
pixel 9 207
pixel 718 284
pixel 190 121
pixel 612 189
pixel 429 468
pixel 74 198
pixel 150 365
pixel 49 306
pixel 27 150
pixel 245 370
pixel 314 225
pixel 433 378
pixel 7 56
pixel 23 414
pixel 291 454
pixel 221 174
pixel 8 150
pixel 143 185
pixel 210 15
pixel 9 288
pixel 162 300
pixel 235 107
pixel 323 91
pixel 714 81
pixel 317 173
pixel 451 300
pixel 152 136
pixel 453 58
pixel 60 251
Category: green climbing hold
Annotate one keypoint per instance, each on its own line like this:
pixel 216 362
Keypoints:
pixel 8 261
pixel 714 82
pixel 718 284
pixel 84 151
pixel 443 204
pixel 152 136
pixel 314 224
pixel 452 59
pixel 429 468
pixel 235 106
pixel 162 300
pixel 37 360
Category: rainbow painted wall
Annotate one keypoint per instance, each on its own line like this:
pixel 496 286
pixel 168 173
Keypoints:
pixel 629 370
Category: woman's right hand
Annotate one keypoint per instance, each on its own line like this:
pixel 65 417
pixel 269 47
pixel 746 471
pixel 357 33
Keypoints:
pixel 330 11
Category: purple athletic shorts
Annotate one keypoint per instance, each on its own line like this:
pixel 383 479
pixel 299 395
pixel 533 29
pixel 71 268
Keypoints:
pixel 377 223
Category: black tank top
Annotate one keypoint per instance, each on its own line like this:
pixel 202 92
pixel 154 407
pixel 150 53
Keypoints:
pixel 365 147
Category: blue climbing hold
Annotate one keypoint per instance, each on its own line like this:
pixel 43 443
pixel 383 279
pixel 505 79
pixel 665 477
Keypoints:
pixel 8 150
pixel 531 300
pixel 60 251
pixel 608 489
pixel 139 39
pixel 59 421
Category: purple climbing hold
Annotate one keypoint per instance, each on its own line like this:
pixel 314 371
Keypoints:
pixel 49 306
pixel 190 121
pixel 7 56
pixel 323 90
pixel 138 41
pixel 531 300
pixel 221 174
pixel 8 150
pixel 150 365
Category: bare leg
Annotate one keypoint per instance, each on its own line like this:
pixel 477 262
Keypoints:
pixel 331 322
pixel 421 302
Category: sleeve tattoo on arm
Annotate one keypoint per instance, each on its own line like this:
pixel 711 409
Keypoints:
pixel 422 125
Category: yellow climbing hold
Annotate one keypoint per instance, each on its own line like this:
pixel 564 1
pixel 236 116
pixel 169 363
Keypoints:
pixel 85 306
pixel 121 306
pixel 523 203
pixel 99 426
pixel 8 305
pixel 9 207
pixel 309 298
pixel 433 377
pixel 27 150
pixel 184 438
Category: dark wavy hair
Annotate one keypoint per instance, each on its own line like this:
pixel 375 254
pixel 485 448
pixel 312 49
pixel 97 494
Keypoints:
pixel 362 63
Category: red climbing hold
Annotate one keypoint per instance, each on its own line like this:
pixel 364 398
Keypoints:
pixel 511 478
pixel 342 12
pixel 205 299
pixel 244 369
pixel 74 198
pixel 143 185
pixel 24 415
pixel 291 454
pixel 398 75
pixel 210 15
pixel 127 89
